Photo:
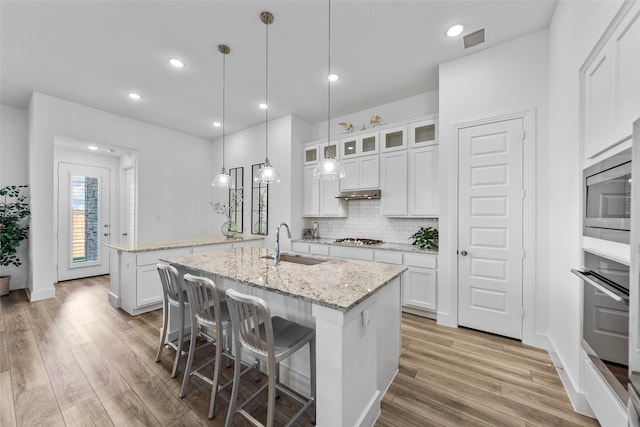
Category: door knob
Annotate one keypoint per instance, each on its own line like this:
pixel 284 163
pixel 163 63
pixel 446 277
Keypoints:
pixel 106 234
pixel 464 253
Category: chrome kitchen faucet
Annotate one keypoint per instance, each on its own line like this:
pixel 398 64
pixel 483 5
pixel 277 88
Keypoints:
pixel 276 255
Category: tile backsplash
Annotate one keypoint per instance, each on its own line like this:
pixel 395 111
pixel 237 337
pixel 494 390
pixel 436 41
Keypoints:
pixel 365 221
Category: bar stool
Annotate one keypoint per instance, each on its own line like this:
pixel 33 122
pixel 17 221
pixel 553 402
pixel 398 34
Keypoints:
pixel 270 339
pixel 172 296
pixel 208 313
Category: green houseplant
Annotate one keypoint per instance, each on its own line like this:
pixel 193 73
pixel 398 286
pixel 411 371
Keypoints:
pixel 14 209
pixel 426 238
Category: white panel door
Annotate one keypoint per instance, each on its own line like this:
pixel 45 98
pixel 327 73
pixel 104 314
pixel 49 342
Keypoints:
pixel 83 221
pixel 129 233
pixel 490 246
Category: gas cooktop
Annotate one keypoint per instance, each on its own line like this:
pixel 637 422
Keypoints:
pixel 355 241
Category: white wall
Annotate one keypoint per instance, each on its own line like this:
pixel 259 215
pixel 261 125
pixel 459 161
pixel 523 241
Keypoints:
pixel 14 170
pixel 174 175
pixel 511 77
pixel 407 108
pixel 574 31
pixel 247 147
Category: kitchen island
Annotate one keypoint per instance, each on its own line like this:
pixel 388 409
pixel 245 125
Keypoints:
pixel 354 307
pixel 135 283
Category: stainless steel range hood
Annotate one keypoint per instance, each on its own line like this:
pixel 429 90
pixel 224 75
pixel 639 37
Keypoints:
pixel 359 195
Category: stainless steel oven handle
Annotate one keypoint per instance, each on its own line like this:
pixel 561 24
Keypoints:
pixel 598 286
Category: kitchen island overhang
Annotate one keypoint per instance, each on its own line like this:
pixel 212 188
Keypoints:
pixel 354 307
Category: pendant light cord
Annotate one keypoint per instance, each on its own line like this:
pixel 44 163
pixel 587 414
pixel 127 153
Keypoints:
pixel 224 76
pixel 266 96
pixel 329 81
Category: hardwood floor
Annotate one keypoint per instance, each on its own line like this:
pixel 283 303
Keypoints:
pixel 76 361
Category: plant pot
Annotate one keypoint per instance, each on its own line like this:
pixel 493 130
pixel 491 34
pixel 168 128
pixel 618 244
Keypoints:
pixel 4 285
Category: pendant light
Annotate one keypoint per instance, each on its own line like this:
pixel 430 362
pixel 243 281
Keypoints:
pixel 267 173
pixel 329 168
pixel 223 179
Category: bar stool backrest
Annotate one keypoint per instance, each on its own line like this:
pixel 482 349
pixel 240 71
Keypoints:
pixel 204 299
pixel 251 322
pixel 171 286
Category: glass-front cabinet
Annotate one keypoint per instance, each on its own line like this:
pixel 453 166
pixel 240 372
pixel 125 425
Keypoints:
pixel 359 145
pixel 311 154
pixel 393 139
pixel 423 133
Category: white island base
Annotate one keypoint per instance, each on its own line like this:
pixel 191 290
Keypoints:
pixel 354 307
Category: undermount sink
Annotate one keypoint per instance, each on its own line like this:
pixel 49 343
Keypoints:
pixel 297 259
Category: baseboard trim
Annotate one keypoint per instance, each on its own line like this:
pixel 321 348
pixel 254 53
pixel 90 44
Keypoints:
pixel 41 294
pixel 578 400
pixel 443 319
pixel 114 300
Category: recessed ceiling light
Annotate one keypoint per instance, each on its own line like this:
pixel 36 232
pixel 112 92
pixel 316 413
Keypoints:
pixel 263 106
pixel 176 63
pixel 93 148
pixel 333 77
pixel 455 30
pixel 135 96
pixel 217 124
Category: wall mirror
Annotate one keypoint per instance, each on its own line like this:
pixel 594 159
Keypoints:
pixel 259 204
pixel 236 198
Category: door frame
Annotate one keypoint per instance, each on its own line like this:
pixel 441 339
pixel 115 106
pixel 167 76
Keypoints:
pixel 83 159
pixel 528 116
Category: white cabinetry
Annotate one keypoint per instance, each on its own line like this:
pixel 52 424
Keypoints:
pixel 419 282
pixel 611 85
pixel 135 283
pixel 362 173
pixel 319 196
pixel 359 145
pixel 394 184
pixel 423 181
pixel 423 133
pixel 393 139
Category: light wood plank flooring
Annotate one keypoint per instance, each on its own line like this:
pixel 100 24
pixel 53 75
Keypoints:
pixel 76 361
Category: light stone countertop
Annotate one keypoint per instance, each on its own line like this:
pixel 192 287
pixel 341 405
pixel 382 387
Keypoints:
pixel 337 283
pixel 179 243
pixel 383 246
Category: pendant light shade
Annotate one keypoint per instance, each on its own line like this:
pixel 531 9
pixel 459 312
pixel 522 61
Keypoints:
pixel 223 179
pixel 330 168
pixel 267 173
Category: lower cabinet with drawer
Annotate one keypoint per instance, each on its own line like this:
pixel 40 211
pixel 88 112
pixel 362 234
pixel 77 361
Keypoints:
pixel 419 282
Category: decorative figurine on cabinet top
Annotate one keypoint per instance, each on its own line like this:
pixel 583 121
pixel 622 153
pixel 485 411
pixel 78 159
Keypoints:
pixel 347 126
pixel 375 120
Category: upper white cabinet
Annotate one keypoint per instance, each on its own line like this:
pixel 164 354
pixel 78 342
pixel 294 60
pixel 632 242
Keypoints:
pixel 359 145
pixel 361 173
pixel 393 139
pixel 611 84
pixel 318 196
pixel 394 184
pixel 423 181
pixel 423 133
pixel 311 154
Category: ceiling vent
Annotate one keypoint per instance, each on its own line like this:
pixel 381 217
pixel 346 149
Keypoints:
pixel 473 39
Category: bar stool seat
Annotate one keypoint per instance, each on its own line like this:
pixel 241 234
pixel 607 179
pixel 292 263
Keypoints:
pixel 211 321
pixel 173 295
pixel 270 339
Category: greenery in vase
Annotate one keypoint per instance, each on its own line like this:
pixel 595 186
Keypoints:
pixel 14 208
pixel 225 208
pixel 426 238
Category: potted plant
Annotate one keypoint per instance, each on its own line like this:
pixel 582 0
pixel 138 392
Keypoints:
pixel 229 228
pixel 426 238
pixel 14 209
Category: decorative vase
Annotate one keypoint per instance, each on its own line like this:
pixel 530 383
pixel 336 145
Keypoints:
pixel 260 227
pixel 4 285
pixel 229 229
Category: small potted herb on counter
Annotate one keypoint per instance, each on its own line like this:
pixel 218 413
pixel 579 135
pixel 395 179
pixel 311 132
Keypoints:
pixel 426 238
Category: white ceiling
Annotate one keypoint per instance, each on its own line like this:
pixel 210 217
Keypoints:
pixel 95 52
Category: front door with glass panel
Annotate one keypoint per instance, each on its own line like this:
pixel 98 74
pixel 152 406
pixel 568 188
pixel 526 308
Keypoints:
pixel 83 221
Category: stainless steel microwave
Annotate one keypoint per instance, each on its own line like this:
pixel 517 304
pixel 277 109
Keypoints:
pixel 607 198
